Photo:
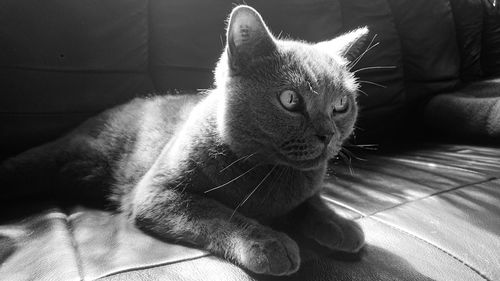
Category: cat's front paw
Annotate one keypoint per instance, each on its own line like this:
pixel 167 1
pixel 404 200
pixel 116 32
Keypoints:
pixel 340 235
pixel 269 252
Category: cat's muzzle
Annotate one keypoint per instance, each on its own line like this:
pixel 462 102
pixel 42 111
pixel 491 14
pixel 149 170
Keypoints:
pixel 302 149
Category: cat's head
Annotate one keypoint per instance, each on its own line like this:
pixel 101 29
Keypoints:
pixel 291 102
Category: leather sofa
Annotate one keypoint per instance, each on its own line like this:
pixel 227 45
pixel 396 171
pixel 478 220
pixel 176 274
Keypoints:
pixel 427 193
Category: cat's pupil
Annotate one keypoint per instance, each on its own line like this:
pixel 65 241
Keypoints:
pixel 290 100
pixel 341 104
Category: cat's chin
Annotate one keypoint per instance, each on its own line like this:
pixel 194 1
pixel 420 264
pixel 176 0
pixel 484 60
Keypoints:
pixel 303 165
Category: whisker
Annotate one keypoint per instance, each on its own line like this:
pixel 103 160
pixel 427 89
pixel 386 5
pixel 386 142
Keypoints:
pixel 202 90
pixel 364 146
pixel 311 88
pixel 359 128
pixel 363 92
pixel 347 160
pixel 180 183
pixel 276 179
pixel 251 193
pixel 271 185
pixel 238 160
pixel 375 67
pixel 372 83
pixel 224 184
pixel 371 42
pixel 358 59
pixel 370 46
pixel 279 35
pixel 351 154
pixel 285 170
pixel 344 157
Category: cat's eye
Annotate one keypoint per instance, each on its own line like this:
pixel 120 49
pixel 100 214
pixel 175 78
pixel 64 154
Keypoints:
pixel 341 104
pixel 290 100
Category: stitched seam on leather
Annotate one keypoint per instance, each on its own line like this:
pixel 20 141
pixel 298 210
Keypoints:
pixel 365 215
pixel 490 177
pixel 150 266
pixel 430 195
pixel 434 246
pixel 76 251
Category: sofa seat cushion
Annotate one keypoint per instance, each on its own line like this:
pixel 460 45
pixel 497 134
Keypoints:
pixel 429 211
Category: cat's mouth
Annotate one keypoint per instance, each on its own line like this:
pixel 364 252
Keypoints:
pixel 304 155
pixel 302 163
pixel 304 158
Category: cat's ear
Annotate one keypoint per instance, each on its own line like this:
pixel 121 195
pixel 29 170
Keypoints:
pixel 349 45
pixel 247 37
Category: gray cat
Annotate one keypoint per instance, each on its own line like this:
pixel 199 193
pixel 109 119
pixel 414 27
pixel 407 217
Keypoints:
pixel 214 169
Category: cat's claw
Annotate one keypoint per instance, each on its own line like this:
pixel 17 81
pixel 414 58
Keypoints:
pixel 346 236
pixel 271 253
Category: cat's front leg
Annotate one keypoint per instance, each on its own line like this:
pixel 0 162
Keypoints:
pixel 328 228
pixel 206 223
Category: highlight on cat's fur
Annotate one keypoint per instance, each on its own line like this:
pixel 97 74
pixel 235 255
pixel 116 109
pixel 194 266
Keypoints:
pixel 213 170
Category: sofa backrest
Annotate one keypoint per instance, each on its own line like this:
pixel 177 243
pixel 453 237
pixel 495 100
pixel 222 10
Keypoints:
pixel 490 51
pixel 62 61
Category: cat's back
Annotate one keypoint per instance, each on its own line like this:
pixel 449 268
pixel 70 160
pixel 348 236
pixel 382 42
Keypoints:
pixel 121 143
pixel 142 126
pixel 144 120
pixel 149 116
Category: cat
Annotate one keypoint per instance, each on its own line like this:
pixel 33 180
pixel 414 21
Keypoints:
pixel 213 169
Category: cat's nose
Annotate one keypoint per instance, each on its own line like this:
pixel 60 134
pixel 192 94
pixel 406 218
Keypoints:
pixel 325 137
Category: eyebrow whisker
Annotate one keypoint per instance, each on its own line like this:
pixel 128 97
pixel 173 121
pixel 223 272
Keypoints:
pixel 372 83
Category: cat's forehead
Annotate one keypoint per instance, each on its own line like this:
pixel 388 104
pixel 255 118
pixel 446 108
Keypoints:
pixel 309 67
